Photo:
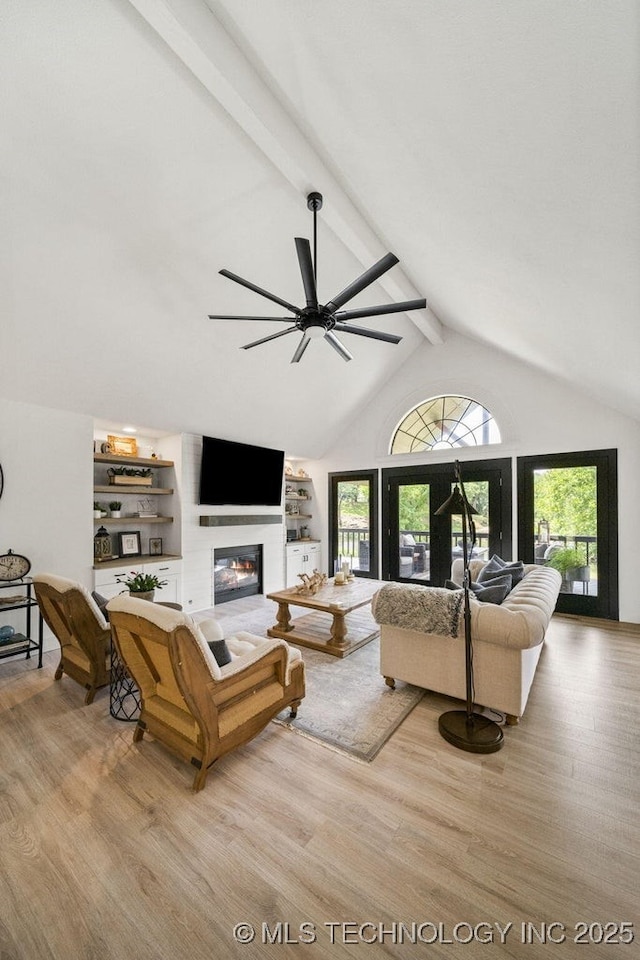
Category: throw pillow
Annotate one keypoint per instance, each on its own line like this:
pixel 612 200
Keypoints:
pixel 214 635
pixel 497 566
pixel 492 591
pixel 102 604
pixel 407 540
pixel 220 651
pixel 493 594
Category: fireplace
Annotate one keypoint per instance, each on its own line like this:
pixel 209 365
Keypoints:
pixel 237 572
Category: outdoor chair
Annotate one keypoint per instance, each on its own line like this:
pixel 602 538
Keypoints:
pixel 79 627
pixel 196 708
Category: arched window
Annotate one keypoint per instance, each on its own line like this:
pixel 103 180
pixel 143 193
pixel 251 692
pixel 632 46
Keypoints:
pixel 444 422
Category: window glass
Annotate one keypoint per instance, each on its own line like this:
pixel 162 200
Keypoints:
pixel 444 422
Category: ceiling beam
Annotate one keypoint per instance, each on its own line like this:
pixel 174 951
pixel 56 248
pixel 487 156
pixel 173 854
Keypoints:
pixel 193 32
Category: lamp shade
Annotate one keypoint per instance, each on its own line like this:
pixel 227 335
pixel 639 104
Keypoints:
pixel 455 504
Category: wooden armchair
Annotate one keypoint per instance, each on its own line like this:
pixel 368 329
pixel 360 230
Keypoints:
pixel 74 618
pixel 198 710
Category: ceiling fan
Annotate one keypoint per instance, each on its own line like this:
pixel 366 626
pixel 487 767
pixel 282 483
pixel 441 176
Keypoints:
pixel 317 320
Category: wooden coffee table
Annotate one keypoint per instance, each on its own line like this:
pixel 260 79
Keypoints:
pixel 333 626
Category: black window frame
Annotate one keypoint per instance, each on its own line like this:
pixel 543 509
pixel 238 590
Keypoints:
pixel 372 477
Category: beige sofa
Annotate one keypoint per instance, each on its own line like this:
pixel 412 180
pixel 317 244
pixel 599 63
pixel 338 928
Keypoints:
pixel 507 642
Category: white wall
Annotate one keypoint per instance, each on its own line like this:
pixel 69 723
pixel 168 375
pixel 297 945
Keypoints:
pixel 199 542
pixel 536 414
pixel 46 507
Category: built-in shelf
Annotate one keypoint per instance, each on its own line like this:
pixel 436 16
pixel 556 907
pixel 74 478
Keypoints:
pixel 132 521
pixel 131 461
pixel 141 558
pixel 113 488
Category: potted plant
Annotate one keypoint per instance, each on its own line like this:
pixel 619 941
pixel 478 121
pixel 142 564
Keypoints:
pixel 570 564
pixel 142 585
pixel 115 506
pixel 130 475
pixel 97 510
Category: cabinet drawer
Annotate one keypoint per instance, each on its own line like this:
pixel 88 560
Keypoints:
pixel 163 568
pixel 109 574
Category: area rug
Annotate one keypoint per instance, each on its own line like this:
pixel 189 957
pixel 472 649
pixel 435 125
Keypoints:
pixel 348 706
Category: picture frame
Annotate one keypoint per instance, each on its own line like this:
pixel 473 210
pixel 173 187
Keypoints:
pixel 129 543
pixel 155 546
pixel 123 446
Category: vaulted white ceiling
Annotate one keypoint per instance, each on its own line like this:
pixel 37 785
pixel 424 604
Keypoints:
pixel 493 147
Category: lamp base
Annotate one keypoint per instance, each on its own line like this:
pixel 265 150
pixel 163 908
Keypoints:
pixel 476 733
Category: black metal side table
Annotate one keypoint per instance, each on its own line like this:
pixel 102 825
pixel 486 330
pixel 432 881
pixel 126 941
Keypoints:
pixel 21 642
pixel 124 695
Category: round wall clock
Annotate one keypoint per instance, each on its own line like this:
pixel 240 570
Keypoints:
pixel 13 566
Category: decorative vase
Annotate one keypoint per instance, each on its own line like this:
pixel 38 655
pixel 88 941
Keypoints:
pixel 142 594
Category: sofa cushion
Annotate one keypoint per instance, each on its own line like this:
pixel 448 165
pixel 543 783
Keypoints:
pixel 496 566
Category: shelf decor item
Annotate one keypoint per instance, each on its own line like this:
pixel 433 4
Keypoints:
pixel 123 446
pixel 13 566
pixel 115 506
pixel 102 549
pixel 129 544
pixel 141 477
pixel 463 728
pixel 155 546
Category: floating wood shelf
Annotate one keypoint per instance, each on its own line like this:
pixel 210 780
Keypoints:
pixel 132 488
pixel 131 461
pixel 131 521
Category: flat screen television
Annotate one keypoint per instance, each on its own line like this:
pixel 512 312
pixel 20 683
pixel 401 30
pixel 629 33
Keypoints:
pixel 240 473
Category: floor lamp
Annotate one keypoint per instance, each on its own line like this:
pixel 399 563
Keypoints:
pixel 464 728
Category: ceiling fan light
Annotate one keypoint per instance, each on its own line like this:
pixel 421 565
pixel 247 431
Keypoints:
pixel 315 331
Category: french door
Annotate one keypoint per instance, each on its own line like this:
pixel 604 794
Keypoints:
pixel 568 519
pixel 418 545
pixel 353 522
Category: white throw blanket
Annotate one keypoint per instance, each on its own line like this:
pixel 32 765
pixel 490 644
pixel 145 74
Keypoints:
pixel 414 607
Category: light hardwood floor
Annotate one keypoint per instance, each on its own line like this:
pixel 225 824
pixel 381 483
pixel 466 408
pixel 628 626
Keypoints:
pixel 107 855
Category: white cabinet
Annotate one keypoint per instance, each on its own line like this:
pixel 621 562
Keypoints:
pixel 107 585
pixel 302 558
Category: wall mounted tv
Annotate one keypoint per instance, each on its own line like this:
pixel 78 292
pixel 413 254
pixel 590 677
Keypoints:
pixel 240 473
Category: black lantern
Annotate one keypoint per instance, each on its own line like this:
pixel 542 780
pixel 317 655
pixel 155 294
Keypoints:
pixel 102 545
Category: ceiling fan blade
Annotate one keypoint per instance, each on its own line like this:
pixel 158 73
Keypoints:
pixel 373 273
pixel 365 332
pixel 379 310
pixel 273 336
pixel 214 316
pixel 337 346
pixel 300 349
pixel 303 249
pixel 263 293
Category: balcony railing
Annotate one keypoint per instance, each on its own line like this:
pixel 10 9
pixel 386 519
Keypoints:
pixel 349 541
